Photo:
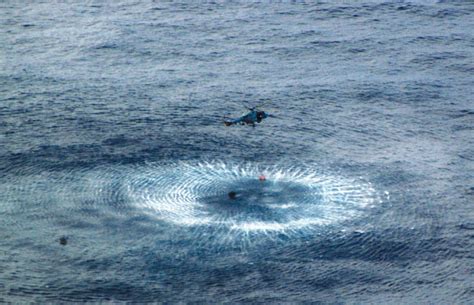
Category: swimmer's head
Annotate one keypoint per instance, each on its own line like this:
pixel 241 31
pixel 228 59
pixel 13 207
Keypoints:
pixel 232 195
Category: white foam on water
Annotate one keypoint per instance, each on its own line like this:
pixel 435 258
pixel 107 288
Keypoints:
pixel 172 194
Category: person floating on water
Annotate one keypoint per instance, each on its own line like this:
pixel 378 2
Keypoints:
pixel 232 195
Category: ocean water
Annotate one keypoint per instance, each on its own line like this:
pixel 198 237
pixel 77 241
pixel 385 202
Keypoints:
pixel 115 166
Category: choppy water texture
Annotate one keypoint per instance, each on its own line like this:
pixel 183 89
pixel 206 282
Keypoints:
pixel 116 169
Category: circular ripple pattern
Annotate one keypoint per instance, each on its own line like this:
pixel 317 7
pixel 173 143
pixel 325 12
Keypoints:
pixel 190 196
pixel 290 199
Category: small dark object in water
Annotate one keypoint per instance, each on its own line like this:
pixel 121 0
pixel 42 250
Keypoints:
pixel 63 240
pixel 232 195
pixel 470 191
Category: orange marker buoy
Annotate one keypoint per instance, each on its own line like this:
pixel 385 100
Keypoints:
pixel 262 178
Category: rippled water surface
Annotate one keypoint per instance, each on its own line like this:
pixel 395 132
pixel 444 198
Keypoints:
pixel 116 170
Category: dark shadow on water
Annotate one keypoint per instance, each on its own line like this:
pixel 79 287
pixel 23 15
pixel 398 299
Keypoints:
pixel 256 200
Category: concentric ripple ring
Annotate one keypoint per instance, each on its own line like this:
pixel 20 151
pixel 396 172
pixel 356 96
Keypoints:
pixel 290 199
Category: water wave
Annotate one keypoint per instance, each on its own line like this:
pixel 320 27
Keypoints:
pixel 194 195
pixel 290 199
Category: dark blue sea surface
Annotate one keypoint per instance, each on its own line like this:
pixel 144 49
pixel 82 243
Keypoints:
pixel 116 167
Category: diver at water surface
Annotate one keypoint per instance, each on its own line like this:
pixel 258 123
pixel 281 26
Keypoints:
pixel 232 195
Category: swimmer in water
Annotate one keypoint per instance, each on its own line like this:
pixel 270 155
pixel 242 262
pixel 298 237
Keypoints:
pixel 232 195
